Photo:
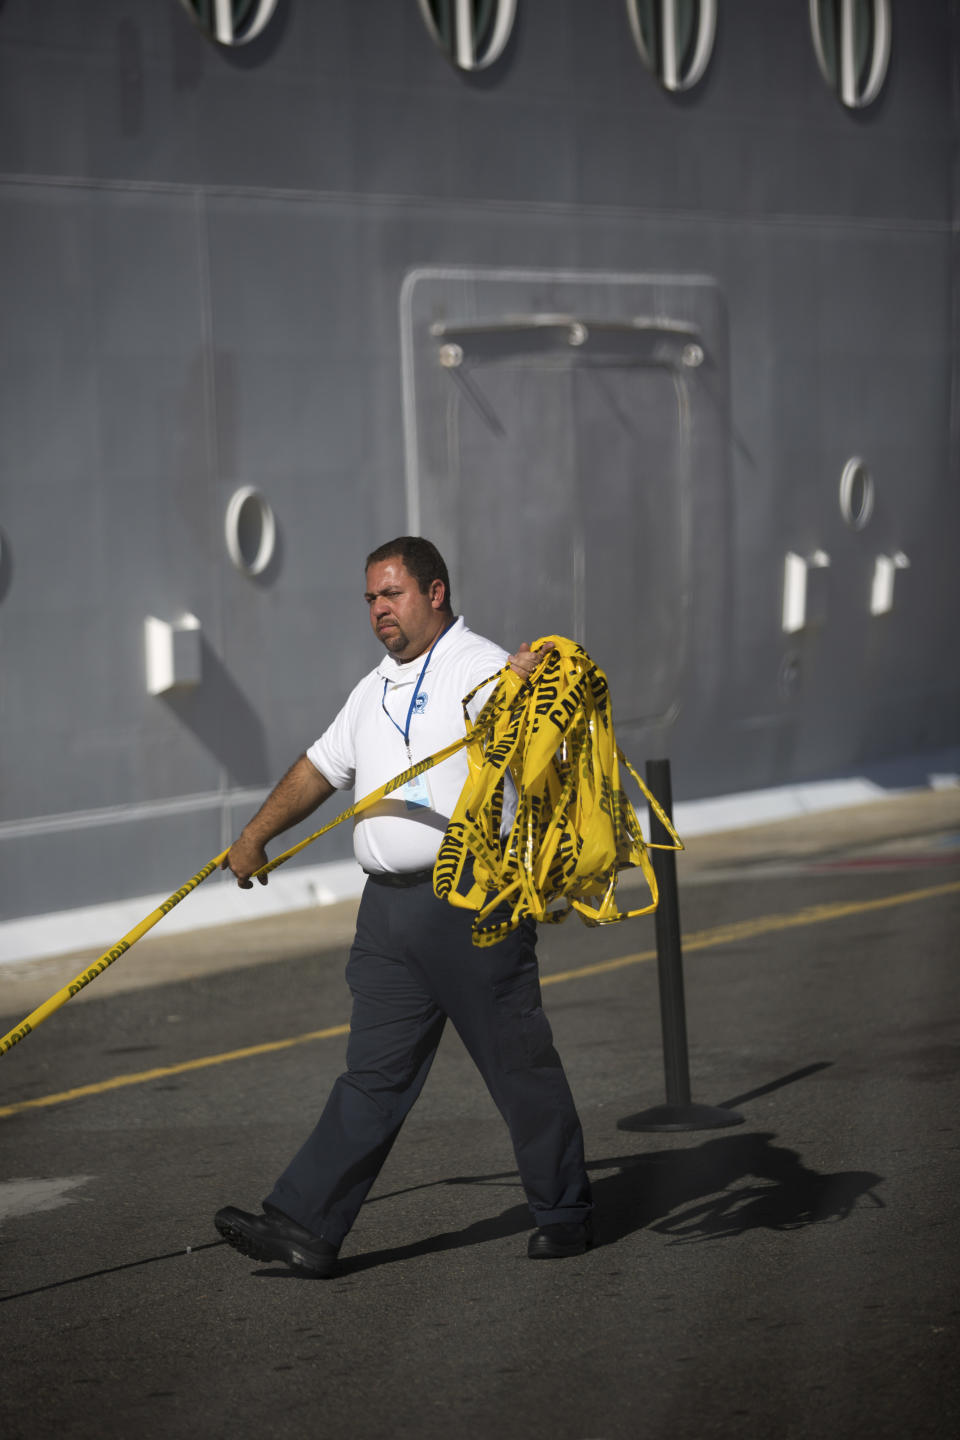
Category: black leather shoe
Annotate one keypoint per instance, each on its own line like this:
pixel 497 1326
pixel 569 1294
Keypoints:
pixel 274 1236
pixel 554 1242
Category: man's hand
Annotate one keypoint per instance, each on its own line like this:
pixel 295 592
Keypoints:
pixel 525 661
pixel 245 856
pixel 291 800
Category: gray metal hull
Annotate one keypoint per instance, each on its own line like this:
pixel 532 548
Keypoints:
pixel 221 270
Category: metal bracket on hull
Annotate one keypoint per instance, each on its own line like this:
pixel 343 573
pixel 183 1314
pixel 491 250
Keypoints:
pixel 643 340
pixel 804 598
pixel 885 568
pixel 174 654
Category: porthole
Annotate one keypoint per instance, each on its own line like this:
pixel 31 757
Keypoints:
pixel 251 531
pixel 851 40
pixel 856 494
pixel 231 22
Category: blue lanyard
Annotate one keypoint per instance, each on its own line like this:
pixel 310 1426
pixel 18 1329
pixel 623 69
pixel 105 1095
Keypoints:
pixel 405 729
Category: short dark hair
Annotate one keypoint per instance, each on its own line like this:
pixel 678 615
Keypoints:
pixel 422 559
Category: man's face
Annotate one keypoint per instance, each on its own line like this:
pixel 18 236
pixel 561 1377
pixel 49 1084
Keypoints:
pixel 406 620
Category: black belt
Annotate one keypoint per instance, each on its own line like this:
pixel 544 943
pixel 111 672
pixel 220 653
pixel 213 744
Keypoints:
pixel 402 881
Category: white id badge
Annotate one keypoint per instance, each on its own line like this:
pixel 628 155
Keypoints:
pixel 416 794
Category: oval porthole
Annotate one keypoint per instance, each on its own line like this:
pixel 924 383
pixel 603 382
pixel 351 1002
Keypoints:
pixel 231 22
pixel 251 531
pixel 856 493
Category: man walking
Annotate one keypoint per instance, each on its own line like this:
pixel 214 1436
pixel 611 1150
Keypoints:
pixel 413 963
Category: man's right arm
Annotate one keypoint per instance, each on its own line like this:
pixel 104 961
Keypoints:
pixel 291 800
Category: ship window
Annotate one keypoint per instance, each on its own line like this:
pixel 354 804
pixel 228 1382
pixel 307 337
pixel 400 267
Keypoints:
pixel 251 531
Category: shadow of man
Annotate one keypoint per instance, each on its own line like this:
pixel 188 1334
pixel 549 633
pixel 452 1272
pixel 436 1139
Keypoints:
pixel 722 1188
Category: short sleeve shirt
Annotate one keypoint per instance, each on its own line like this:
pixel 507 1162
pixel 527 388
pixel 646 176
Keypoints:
pixel 365 747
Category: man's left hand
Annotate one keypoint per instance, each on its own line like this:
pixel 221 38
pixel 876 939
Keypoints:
pixel 525 661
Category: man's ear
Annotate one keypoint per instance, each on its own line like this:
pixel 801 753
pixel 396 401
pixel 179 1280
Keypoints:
pixel 438 594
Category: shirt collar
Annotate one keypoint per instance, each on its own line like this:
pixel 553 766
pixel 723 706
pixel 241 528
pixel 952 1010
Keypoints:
pixel 403 672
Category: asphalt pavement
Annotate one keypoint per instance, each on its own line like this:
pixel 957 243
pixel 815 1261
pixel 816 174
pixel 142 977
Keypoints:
pixel 790 1275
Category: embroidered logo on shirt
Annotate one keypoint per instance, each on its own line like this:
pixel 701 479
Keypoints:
pixel 420 704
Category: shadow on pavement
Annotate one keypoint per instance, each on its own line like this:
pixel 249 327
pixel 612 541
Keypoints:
pixel 717 1190
pixel 722 1188
pixel 112 1270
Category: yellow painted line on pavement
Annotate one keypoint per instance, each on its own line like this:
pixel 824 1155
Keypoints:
pixel 117 1082
pixel 698 940
pixel 761 925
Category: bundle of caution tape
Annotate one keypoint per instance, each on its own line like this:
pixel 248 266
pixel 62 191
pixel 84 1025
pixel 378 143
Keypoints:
pixel 573 832
pixel 575 829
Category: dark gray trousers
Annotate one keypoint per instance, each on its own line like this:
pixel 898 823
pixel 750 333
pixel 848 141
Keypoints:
pixel 412 964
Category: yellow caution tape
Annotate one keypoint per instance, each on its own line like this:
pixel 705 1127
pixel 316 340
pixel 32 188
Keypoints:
pixel 97 968
pixel 574 829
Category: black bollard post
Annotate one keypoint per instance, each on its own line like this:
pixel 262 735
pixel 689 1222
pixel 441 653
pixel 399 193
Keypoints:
pixel 679 1113
pixel 673 1010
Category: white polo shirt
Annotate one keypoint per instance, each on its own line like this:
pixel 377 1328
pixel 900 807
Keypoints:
pixel 365 747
